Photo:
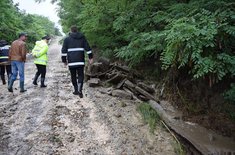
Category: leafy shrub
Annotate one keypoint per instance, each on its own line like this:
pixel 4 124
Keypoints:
pixel 230 94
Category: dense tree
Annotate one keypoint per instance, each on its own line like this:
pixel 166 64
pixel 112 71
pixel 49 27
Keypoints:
pixel 14 21
pixel 197 36
pixel 9 20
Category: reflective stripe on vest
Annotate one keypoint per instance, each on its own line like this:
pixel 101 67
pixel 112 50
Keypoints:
pixel 75 49
pixel 76 63
pixel 89 52
pixel 4 57
pixel 40 60
pixel 64 54
pixel 5 47
pixel 36 52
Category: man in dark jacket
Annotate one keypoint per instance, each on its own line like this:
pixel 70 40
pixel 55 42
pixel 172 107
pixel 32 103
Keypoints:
pixel 5 65
pixel 73 50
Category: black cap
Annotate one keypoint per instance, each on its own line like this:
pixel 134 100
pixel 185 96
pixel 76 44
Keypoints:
pixel 46 37
pixel 3 43
pixel 23 34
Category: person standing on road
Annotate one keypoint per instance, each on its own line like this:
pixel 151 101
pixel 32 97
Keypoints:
pixel 73 55
pixel 40 54
pixel 17 56
pixel 5 65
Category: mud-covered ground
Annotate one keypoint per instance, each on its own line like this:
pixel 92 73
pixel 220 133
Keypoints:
pixel 53 121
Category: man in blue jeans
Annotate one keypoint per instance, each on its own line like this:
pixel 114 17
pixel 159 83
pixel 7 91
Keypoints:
pixel 17 56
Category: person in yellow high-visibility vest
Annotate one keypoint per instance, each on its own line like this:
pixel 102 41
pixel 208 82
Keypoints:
pixel 40 59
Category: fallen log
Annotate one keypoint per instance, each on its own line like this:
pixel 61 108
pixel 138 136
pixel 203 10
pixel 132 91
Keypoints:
pixel 146 87
pixel 139 91
pixel 122 68
pixel 99 74
pixel 129 84
pixel 204 140
pixel 120 84
pixel 145 93
pixel 116 78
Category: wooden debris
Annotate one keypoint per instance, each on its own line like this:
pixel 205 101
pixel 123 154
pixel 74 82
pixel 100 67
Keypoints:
pixel 120 84
pixel 93 82
pixel 104 61
pixel 122 68
pixel 138 91
pixel 121 94
pixel 146 87
pixel 116 78
pixel 121 77
pixel 145 93
pixel 95 68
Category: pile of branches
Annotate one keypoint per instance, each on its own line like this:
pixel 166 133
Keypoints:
pixel 125 81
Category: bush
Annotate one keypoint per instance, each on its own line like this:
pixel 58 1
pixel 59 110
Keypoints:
pixel 230 94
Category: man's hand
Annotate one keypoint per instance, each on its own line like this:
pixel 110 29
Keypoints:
pixel 90 61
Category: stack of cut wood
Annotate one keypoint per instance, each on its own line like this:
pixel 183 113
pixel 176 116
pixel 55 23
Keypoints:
pixel 123 79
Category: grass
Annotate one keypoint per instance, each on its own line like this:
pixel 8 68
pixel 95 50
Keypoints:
pixel 179 149
pixel 150 116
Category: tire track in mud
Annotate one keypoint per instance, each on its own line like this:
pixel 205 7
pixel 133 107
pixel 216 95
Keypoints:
pixel 54 121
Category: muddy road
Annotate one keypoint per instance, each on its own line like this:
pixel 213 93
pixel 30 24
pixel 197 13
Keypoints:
pixel 53 121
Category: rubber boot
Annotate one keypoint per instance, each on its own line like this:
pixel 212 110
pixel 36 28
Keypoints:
pixel 80 90
pixel 10 85
pixel 3 79
pixel 35 79
pixel 22 87
pixel 76 90
pixel 42 83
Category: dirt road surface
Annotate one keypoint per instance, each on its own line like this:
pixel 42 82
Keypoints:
pixel 52 120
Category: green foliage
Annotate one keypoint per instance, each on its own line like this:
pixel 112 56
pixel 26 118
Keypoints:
pixel 108 53
pixel 149 115
pixel 144 45
pixel 14 21
pixel 197 35
pixel 36 26
pixel 9 19
pixel 230 94
pixel 194 41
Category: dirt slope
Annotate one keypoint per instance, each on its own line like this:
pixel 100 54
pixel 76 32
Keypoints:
pixel 53 121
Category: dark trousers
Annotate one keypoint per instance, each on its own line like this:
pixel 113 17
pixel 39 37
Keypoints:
pixel 41 71
pixel 77 76
pixel 3 69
